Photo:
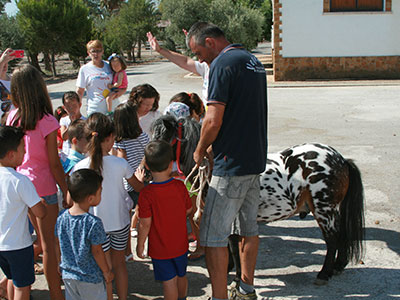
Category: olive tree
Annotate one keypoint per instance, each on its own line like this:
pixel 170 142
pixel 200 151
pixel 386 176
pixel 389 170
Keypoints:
pixel 127 30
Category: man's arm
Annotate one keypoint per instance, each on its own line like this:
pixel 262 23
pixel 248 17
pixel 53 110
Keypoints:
pixel 209 130
pixel 180 60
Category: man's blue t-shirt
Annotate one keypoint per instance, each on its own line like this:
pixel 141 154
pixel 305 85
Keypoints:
pixel 76 235
pixel 238 80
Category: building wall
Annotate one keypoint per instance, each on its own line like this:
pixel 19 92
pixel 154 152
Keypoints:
pixel 312 43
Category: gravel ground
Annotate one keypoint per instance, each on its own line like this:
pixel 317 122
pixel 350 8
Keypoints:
pixel 359 119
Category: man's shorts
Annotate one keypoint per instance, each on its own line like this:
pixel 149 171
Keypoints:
pixel 18 266
pixel 117 240
pixel 77 290
pixel 228 198
pixel 166 269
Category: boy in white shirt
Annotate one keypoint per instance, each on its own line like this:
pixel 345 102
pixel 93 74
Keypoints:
pixel 17 194
pixel 72 105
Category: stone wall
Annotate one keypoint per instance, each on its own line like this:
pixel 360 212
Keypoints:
pixel 303 68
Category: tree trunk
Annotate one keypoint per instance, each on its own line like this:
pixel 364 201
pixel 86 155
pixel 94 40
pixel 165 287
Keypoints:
pixel 53 60
pixel 46 59
pixel 129 55
pixel 33 60
pixel 133 54
pixel 76 63
pixel 139 49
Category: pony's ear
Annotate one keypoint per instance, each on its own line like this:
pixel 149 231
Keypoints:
pixel 165 122
pixel 170 123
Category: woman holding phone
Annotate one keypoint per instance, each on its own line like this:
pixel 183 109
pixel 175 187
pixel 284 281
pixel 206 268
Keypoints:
pixel 5 80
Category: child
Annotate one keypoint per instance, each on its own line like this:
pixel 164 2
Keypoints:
pixel 80 234
pixel 130 142
pixel 113 209
pixel 5 82
pixel 120 79
pixel 17 194
pixel 72 105
pixel 146 98
pixel 193 101
pixel 163 207
pixel 58 114
pixel 178 110
pixel 34 114
pixel 78 142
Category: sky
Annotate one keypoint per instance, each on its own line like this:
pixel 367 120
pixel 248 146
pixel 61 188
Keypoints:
pixel 11 8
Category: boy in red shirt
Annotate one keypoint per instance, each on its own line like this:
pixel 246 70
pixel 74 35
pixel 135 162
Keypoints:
pixel 163 207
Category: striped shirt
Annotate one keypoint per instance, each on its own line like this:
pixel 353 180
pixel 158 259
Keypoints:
pixel 134 149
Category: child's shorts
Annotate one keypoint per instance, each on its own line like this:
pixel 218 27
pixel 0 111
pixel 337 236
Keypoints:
pixel 117 239
pixel 134 196
pixel 51 199
pixel 77 290
pixel 166 269
pixel 18 266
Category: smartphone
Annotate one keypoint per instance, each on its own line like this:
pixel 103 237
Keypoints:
pixel 18 53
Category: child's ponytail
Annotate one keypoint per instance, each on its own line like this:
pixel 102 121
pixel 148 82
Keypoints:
pixel 98 128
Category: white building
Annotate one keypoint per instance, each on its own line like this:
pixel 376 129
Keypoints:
pixel 325 39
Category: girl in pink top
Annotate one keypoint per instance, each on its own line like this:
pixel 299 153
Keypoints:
pixel 41 163
pixel 120 79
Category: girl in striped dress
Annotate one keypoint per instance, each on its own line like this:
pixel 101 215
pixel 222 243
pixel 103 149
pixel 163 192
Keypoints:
pixel 130 142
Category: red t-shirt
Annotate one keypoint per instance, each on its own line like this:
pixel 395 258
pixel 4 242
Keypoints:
pixel 166 202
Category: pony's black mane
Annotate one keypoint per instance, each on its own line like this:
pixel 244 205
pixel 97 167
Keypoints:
pixel 166 128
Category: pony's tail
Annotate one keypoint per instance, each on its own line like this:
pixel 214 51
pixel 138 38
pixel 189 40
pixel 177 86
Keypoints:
pixel 352 215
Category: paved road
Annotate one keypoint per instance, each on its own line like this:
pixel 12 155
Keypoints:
pixel 167 78
pixel 361 120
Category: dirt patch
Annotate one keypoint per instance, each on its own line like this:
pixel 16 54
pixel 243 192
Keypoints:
pixel 66 71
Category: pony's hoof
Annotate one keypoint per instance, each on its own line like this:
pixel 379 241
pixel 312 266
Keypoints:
pixel 337 272
pixel 303 215
pixel 320 282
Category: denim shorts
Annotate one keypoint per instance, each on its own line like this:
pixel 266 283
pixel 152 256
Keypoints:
pixel 51 199
pixel 17 265
pixel 166 269
pixel 76 290
pixel 231 206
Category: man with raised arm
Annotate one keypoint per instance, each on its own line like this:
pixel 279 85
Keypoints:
pixel 236 127
pixel 184 62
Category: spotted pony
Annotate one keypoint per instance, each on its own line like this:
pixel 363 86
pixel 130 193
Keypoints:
pixel 316 178
pixel 300 179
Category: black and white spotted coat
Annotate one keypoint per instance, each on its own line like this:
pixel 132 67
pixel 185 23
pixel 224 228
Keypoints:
pixel 308 176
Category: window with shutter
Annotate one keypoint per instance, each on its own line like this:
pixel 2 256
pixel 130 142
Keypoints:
pixel 356 5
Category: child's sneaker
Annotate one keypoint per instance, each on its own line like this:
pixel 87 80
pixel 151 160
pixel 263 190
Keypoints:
pixel 193 244
pixel 191 237
pixel 234 294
